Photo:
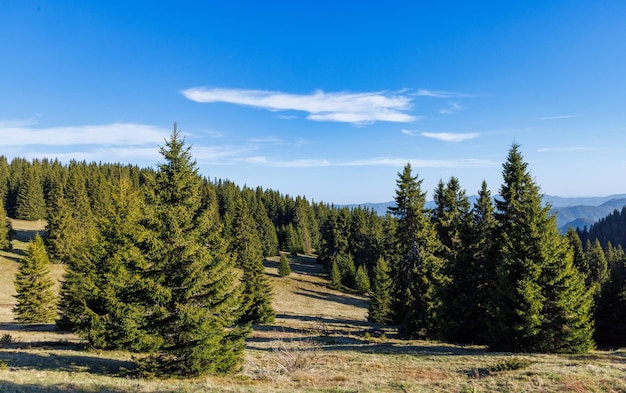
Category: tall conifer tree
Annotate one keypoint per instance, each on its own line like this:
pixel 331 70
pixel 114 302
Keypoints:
pixel 452 220
pixel 36 301
pixel 257 293
pixel 540 300
pixel 418 275
pixel 194 299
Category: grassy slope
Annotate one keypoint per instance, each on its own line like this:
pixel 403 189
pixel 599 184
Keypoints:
pixel 319 342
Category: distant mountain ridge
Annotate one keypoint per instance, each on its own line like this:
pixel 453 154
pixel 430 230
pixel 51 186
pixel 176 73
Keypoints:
pixel 576 212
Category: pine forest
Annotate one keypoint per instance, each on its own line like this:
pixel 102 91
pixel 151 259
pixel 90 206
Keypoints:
pixel 166 262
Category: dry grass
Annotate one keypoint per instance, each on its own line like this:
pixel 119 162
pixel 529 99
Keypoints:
pixel 320 342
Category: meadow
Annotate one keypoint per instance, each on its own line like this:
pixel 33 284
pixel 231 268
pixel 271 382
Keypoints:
pixel 320 342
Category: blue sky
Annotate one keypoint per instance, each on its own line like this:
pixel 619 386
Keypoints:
pixel 326 99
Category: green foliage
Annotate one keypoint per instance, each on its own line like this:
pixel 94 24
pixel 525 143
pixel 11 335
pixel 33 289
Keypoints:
pixel 30 203
pixel 36 302
pixel 510 364
pixel 380 293
pixel 452 219
pixel 257 293
pixel 193 302
pixel 335 275
pixel 597 264
pixel 610 312
pixel 361 280
pixel 418 275
pixel 345 263
pixel 540 302
pixel 5 229
pixel 105 299
pixel 284 269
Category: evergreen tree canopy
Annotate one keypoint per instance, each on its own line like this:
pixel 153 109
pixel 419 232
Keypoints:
pixel 36 301
pixel 418 275
pixel 195 302
pixel 540 302
pixel 5 229
pixel 380 293
pixel 284 268
pixel 257 293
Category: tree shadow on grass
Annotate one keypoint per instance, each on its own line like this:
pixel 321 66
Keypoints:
pixel 333 297
pixel 64 354
pixel 6 386
pixel 24 235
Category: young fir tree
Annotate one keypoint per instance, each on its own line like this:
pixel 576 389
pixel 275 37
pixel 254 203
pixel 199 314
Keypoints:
pixel 380 293
pixel 284 269
pixel 418 275
pixel 335 275
pixel 257 293
pixel 194 299
pixel 5 228
pixel 540 302
pixel 36 301
pixel 361 280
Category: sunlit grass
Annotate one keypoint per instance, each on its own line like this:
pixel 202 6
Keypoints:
pixel 320 342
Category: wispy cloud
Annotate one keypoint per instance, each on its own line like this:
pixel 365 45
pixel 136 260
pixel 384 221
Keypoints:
pixel 371 162
pixel 565 149
pixel 451 136
pixel 410 132
pixel 440 94
pixel 422 163
pixel 355 108
pixel 559 117
pixel 108 134
pixel 453 107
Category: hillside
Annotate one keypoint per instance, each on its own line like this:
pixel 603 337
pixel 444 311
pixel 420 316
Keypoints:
pixel 320 341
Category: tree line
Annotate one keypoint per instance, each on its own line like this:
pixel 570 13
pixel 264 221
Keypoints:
pixel 168 262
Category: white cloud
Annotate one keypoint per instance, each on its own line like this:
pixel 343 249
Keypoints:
pixel 453 107
pixel 355 108
pixel 450 136
pixel 409 132
pixel 439 94
pixel 422 163
pixel 565 149
pixel 108 134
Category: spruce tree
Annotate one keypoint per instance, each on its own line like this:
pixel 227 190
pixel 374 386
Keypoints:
pixel 452 220
pixel 5 229
pixel 284 269
pixel 335 275
pixel 578 252
pixel 598 266
pixel 540 302
pixel 361 280
pixel 36 301
pixel 418 275
pixel 194 300
pixel 380 293
pixel 257 293
pixel 108 304
pixel 30 203
pixel 610 312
